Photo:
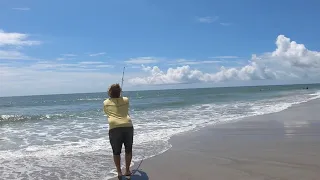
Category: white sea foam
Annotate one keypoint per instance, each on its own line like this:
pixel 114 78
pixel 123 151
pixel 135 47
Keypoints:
pixel 315 95
pixel 7 116
pixel 90 99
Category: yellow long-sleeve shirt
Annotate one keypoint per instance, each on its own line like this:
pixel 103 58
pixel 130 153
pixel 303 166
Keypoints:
pixel 117 110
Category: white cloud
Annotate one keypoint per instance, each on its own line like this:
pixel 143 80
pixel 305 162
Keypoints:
pixel 193 62
pixel 69 55
pixel 185 74
pixel 91 62
pixel 296 55
pixel 10 43
pixel 289 60
pixel 13 55
pixel 61 59
pixel 97 54
pixel 142 60
pixel 226 24
pixel 134 67
pixel 207 19
pixel 225 57
pixel 22 9
pixel 16 39
pixel 50 65
pixel 81 66
pixel 104 66
pixel 66 57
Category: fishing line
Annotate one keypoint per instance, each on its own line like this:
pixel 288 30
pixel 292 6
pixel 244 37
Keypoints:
pixel 135 170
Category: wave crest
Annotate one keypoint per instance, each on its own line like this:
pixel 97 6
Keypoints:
pixel 13 118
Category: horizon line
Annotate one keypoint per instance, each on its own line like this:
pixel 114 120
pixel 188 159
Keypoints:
pixel 290 84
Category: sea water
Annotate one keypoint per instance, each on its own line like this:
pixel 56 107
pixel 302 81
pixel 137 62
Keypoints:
pixel 65 136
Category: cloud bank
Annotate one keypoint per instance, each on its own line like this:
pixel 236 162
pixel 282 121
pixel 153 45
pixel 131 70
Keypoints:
pixel 10 43
pixel 9 55
pixel 45 79
pixel 289 60
pixel 16 39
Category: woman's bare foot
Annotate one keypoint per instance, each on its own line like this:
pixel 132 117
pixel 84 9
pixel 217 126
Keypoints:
pixel 128 173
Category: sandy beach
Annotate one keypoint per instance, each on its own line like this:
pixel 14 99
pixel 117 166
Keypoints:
pixel 280 146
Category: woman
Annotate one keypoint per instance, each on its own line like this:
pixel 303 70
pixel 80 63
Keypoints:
pixel 120 127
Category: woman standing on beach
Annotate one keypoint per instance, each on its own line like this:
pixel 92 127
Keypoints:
pixel 120 127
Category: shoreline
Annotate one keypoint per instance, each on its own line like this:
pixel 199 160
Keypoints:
pixel 256 125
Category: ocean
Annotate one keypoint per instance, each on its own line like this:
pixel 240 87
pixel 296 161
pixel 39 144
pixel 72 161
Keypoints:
pixel 65 136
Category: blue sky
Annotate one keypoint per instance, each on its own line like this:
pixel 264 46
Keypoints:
pixel 82 46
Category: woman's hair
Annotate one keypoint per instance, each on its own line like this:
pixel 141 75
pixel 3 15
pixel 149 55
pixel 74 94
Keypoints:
pixel 114 91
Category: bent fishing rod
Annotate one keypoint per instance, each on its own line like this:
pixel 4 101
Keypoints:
pixel 122 77
pixel 136 169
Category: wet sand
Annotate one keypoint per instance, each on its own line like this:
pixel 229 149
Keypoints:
pixel 278 146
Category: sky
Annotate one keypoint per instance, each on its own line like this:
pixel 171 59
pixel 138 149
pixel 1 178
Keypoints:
pixel 49 47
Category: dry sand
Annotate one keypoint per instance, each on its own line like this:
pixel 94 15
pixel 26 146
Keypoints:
pixel 278 146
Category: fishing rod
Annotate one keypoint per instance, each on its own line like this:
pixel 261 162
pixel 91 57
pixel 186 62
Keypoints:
pixel 136 169
pixel 122 80
pixel 122 76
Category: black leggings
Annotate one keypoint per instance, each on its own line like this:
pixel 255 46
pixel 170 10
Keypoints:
pixel 119 136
